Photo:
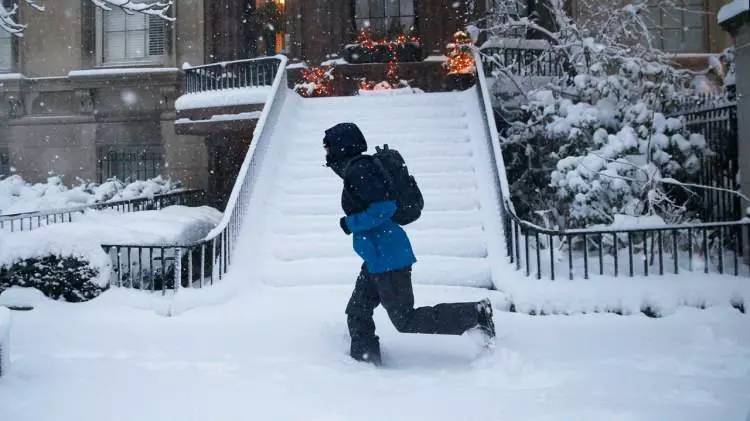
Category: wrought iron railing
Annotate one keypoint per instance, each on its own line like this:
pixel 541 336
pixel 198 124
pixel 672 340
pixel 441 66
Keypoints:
pixel 715 117
pixel 719 247
pixel 523 62
pixel 165 267
pixel 235 74
pixel 32 220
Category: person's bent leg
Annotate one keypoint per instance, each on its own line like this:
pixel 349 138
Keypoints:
pixel 365 345
pixel 397 296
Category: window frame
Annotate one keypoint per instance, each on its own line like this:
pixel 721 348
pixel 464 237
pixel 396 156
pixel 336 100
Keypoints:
pixel 107 168
pixel 155 60
pixel 386 18
pixel 658 27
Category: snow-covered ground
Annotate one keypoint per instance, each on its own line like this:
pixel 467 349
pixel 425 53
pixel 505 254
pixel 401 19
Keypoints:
pixel 248 348
pixel 280 353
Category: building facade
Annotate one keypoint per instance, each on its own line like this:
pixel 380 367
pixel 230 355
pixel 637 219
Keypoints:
pixel 89 93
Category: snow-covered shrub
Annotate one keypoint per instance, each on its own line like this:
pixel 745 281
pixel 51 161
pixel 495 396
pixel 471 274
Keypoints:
pixel 595 142
pixel 68 278
pixel 18 195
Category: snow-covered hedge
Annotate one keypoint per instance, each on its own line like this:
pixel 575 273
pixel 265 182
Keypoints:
pixel 4 341
pixel 18 196
pixel 67 260
pixel 68 278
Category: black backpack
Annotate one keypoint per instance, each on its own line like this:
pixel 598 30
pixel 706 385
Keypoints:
pixel 402 186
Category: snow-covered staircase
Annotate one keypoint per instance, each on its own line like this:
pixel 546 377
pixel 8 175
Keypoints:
pixel 297 239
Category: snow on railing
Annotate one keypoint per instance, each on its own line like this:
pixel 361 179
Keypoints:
pixel 523 62
pixel 32 220
pixel 207 260
pixel 712 247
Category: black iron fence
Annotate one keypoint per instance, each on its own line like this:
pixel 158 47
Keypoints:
pixel 715 117
pixel 169 267
pixel 33 220
pixel 235 74
pixel 135 163
pixel 523 62
pixel 713 247
pixel 719 247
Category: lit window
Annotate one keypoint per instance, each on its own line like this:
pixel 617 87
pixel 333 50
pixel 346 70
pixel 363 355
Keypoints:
pixel 679 28
pixel 385 17
pixel 132 37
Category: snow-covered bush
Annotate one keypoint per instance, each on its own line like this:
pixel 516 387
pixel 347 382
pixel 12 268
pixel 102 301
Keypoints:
pixel 18 195
pixel 68 278
pixel 68 260
pixel 595 142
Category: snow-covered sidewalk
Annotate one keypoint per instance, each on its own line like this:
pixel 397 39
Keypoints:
pixel 280 354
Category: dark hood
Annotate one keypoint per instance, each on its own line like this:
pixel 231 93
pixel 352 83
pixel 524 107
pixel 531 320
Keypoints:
pixel 345 140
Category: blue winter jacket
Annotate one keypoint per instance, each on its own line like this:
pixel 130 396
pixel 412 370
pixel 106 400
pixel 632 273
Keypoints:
pixel 379 241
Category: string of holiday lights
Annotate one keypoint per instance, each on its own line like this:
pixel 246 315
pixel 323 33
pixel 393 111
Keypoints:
pixel 317 82
pixel 460 59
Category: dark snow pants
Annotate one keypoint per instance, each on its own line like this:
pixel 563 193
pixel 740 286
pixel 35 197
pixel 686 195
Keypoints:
pixel 394 291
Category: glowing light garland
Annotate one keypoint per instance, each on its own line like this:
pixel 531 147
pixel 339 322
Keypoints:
pixel 460 59
pixel 317 82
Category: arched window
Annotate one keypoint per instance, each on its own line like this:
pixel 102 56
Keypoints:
pixel 385 17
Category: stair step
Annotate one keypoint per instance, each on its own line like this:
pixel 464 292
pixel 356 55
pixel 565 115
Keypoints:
pixel 408 150
pixel 429 270
pixel 465 243
pixel 430 184
pixel 446 220
pixel 418 167
pixel 312 206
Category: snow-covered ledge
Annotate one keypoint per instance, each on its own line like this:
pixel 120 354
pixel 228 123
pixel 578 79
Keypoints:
pixel 733 10
pixel 4 341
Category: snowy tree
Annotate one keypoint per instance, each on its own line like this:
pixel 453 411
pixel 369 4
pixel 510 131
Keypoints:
pixel 9 22
pixel 596 143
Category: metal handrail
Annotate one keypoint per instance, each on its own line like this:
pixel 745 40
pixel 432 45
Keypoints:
pixel 254 72
pixel 524 61
pixel 36 219
pixel 208 259
pixel 515 227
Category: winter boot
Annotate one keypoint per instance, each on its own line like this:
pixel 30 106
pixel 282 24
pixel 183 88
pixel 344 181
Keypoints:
pixel 368 354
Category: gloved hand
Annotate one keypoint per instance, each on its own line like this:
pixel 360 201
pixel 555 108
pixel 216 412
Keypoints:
pixel 344 228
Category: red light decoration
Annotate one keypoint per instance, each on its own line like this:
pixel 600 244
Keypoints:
pixel 316 82
pixel 460 59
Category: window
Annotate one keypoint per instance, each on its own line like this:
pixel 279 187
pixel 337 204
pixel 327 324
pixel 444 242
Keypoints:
pixel 6 45
pixel 385 17
pixel 130 163
pixel 132 37
pixel 679 29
